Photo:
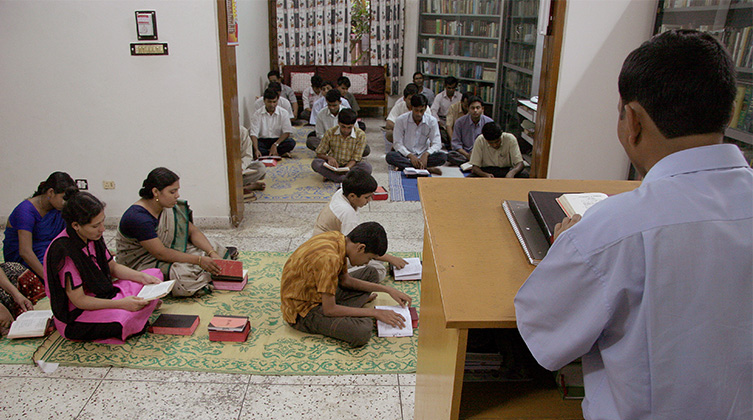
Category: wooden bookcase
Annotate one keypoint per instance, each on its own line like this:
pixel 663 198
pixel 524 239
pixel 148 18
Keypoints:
pixel 461 38
pixel 731 21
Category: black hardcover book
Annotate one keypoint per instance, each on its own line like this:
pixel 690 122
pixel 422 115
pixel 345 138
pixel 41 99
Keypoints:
pixel 546 209
pixel 175 324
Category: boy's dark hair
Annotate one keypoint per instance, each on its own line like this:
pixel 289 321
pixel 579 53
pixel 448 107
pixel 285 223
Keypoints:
pixel 80 206
pixel 274 73
pixel 332 95
pixel 419 100
pixel 491 131
pixel 450 80
pixel 343 81
pixel 316 81
pixel 346 116
pixel 475 98
pixel 58 181
pixel 158 178
pixel 467 97
pixel 330 84
pixel 276 86
pixel 410 89
pixel 684 79
pixel 358 182
pixel 417 73
pixel 372 235
pixel 271 94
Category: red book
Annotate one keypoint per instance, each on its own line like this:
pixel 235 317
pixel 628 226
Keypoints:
pixel 268 162
pixel 380 194
pixel 232 270
pixel 231 285
pixel 413 316
pixel 175 324
pixel 229 328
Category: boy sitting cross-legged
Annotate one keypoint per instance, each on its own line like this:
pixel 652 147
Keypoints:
pixel 320 297
pixel 341 213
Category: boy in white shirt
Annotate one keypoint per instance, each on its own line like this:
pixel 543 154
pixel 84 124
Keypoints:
pixel 270 128
pixel 310 95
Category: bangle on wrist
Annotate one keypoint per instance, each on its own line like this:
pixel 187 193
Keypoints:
pixel 199 263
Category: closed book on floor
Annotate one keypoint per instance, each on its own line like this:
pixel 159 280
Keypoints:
pixel 527 230
pixel 231 285
pixel 414 316
pixel 231 270
pixel 380 194
pixel 546 210
pixel 229 328
pixel 415 173
pixel 175 324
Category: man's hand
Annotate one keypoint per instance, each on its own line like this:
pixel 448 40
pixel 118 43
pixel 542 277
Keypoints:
pixel 332 161
pixel 398 262
pixel 566 224
pixel 390 318
pixel 414 161
pixel 400 297
pixel 424 160
pixel 464 153
pixel 488 175
pixel 257 153
pixel 273 150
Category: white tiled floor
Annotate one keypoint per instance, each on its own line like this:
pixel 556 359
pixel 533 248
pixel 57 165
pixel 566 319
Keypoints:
pixel 114 393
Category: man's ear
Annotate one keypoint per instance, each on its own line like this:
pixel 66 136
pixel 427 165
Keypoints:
pixel 634 112
pixel 361 248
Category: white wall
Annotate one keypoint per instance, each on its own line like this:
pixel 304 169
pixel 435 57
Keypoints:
pixel 599 34
pixel 252 55
pixel 74 99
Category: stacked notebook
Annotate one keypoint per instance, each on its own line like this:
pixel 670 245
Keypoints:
pixel 380 194
pixel 229 328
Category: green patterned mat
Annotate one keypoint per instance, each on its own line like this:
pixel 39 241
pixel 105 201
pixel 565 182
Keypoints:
pixel 293 180
pixel 273 348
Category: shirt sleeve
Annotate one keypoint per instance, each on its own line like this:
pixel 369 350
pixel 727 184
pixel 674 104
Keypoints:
pixel 456 135
pixel 359 147
pixel 349 222
pixel 353 103
pixel 69 269
pixel 306 97
pixel 247 149
pixel 398 136
pixel 22 217
pixel 435 140
pixel 138 225
pixel 253 129
pixel 561 308
pixel 320 127
pixel 477 153
pixel 436 105
pixel 290 94
pixel 393 113
pixel 287 127
pixel 327 272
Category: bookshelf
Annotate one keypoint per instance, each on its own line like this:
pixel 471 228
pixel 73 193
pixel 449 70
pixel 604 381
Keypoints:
pixel 731 21
pixel 521 64
pixel 461 38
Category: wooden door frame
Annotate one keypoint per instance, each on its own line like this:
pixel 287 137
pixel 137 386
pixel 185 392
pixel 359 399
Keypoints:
pixel 550 68
pixel 229 76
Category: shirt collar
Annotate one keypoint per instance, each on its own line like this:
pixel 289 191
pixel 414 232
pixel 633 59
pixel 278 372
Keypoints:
pixel 697 159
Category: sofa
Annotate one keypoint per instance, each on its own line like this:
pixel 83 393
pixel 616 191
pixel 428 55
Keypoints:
pixel 376 82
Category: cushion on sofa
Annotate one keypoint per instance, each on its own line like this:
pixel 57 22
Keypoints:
pixel 359 82
pixel 300 81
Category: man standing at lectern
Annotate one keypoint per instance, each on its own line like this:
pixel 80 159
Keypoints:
pixel 654 288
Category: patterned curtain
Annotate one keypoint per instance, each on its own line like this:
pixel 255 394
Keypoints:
pixel 386 41
pixel 313 32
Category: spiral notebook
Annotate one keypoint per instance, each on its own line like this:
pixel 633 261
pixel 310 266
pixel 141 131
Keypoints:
pixel 527 230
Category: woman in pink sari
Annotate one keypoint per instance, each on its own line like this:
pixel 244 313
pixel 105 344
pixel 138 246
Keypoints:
pixel 93 298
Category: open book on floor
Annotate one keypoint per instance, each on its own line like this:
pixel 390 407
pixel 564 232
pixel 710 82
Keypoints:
pixel 31 324
pixel 332 168
pixel 411 271
pixel 156 291
pixel 386 330
pixel 175 324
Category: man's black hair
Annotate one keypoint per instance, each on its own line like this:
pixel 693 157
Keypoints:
pixel 332 95
pixel 372 235
pixel 277 86
pixel 418 100
pixel 417 73
pixel 450 80
pixel 316 81
pixel 358 182
pixel 684 79
pixel 491 131
pixel 343 81
pixel 410 89
pixel 467 97
pixel 347 116
pixel 330 84
pixel 274 73
pixel 271 94
pixel 475 98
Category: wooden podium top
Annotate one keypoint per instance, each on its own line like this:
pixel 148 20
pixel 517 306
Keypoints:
pixel 480 264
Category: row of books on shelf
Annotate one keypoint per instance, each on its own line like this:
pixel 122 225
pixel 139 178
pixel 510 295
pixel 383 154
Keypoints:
pixel 486 93
pixel 458 48
pixel 742 116
pixel 525 8
pixel 678 4
pixel 524 32
pixel 521 56
pixel 469 7
pixel 460 27
pixel 518 82
pixel 458 69
pixel 739 45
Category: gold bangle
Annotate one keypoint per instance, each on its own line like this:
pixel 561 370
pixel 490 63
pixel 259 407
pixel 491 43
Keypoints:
pixel 199 261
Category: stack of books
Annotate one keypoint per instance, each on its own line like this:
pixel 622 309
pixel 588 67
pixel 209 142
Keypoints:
pixel 229 328
pixel 380 194
pixel 232 276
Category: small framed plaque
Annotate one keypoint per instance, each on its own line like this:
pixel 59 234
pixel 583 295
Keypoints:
pixel 146 24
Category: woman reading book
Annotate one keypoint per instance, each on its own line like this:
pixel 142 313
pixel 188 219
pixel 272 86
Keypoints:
pixel 157 231
pixel 88 305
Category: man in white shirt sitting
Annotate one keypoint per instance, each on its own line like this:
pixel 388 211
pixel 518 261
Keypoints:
pixel 270 128
pixel 310 95
pixel 281 101
pixel 445 99
pixel 402 105
pixel 416 140
pixel 285 91
pixel 321 103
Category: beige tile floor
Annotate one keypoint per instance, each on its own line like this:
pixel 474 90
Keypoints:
pixel 114 393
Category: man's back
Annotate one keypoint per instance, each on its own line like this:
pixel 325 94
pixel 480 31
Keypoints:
pixel 655 287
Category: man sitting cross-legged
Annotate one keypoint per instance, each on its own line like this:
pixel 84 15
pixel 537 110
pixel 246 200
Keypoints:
pixel 341 146
pixel 318 294
pixel 467 129
pixel 417 143
pixel 270 127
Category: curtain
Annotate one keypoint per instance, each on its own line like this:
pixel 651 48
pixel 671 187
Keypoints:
pixel 314 32
pixel 386 40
